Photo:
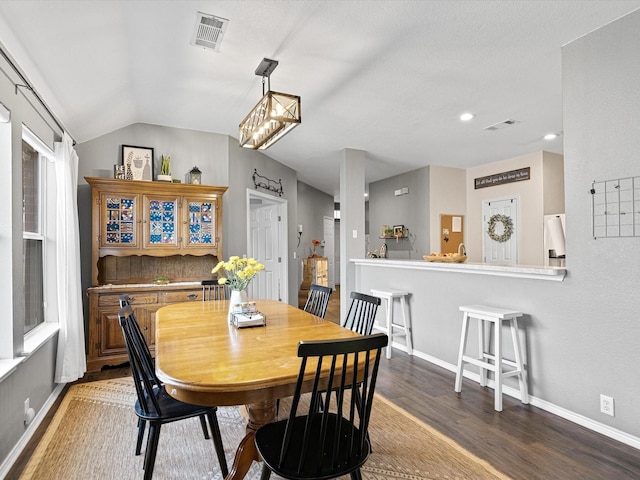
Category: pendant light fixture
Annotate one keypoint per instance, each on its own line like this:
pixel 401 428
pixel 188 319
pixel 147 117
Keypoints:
pixel 273 116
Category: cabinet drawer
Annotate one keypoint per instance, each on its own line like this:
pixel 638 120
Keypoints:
pixel 182 296
pixel 136 299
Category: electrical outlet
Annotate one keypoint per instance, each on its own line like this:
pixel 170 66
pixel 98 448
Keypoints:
pixel 606 405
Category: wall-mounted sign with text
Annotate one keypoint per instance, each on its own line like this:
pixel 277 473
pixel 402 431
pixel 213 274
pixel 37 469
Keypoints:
pixel 502 178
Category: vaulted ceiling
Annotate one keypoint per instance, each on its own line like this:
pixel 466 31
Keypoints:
pixel 387 77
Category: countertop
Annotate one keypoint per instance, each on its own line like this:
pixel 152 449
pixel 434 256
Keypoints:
pixel 518 271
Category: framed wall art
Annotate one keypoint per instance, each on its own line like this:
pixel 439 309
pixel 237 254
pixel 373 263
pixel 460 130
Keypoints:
pixel 398 231
pixel 137 162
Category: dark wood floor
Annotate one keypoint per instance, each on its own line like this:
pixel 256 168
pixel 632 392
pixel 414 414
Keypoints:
pixel 522 441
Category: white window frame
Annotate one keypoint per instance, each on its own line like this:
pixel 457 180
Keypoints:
pixel 41 333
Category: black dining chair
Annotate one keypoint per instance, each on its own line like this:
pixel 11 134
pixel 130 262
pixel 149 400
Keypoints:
pixel 316 304
pixel 331 439
pixel 154 404
pixel 126 300
pixel 211 290
pixel 362 313
pixel 317 300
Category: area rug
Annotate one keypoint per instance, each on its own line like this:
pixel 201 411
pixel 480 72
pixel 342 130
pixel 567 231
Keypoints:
pixel 93 435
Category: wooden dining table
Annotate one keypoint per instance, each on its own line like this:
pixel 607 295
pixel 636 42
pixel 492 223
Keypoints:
pixel 204 360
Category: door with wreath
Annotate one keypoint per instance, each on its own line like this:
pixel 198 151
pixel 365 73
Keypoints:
pixel 500 231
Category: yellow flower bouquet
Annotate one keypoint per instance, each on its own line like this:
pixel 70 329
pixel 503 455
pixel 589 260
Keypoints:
pixel 239 272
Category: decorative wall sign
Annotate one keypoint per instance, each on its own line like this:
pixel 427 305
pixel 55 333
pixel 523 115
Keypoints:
pixel 267 183
pixel 616 207
pixel 502 178
pixel 138 162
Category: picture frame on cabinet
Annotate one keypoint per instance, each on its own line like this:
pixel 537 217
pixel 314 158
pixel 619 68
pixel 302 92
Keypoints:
pixel 137 162
pixel 398 231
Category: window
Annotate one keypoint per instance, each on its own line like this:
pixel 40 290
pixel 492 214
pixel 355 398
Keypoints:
pixel 33 236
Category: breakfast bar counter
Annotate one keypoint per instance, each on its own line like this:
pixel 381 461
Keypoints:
pixel 518 271
pixel 437 290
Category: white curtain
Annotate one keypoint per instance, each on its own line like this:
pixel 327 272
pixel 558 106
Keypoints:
pixel 71 363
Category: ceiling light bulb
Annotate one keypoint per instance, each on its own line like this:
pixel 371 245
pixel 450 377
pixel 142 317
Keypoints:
pixel 550 136
pixel 465 117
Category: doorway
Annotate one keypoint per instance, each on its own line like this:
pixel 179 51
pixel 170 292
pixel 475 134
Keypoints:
pixel 267 243
pixel 500 231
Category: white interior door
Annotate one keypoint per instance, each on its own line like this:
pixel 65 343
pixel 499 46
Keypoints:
pixel 495 251
pixel 329 241
pixel 267 244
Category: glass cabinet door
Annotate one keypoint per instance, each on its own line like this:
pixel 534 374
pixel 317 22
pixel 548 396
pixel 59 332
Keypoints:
pixel 161 222
pixel 119 220
pixel 201 222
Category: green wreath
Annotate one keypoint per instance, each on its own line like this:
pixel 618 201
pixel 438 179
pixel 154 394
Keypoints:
pixel 507 228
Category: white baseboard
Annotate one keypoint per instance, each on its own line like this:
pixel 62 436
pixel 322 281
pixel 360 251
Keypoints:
pixel 28 433
pixel 586 422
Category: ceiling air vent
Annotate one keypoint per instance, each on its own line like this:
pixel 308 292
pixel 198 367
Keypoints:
pixel 209 31
pixel 501 125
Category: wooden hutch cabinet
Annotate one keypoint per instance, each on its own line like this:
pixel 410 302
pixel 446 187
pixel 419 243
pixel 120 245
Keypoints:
pixel 143 232
pixel 315 270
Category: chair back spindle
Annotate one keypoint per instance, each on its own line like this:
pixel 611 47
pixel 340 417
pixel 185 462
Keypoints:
pixel 211 290
pixel 362 313
pixel 317 300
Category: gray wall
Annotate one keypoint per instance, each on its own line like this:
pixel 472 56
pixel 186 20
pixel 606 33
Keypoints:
pixel 581 334
pixel 242 163
pixel 410 210
pixel 221 161
pixel 33 378
pixel 187 148
pixel 601 74
pixel 313 206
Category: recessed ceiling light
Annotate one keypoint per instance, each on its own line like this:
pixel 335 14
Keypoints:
pixel 550 136
pixel 465 117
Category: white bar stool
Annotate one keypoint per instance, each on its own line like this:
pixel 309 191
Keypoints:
pixel 495 316
pixel 393 329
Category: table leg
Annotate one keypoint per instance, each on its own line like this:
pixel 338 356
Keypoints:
pixel 259 414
